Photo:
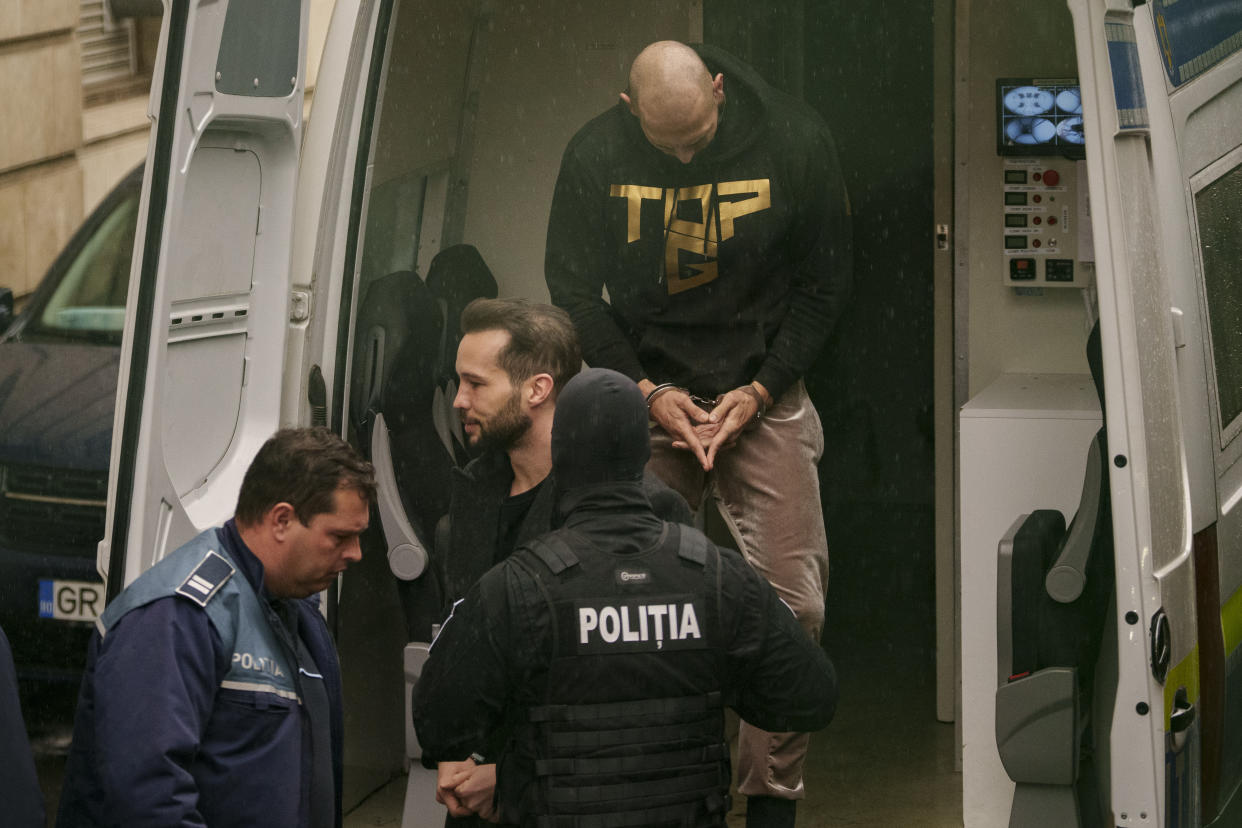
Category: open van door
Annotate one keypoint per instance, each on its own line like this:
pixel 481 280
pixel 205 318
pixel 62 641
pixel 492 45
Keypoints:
pixel 203 350
pixel 241 307
pixel 1163 124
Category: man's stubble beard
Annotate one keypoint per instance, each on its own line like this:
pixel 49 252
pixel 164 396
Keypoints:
pixel 506 428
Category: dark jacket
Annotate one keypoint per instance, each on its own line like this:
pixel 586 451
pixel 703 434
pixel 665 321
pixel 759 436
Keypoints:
pixel 743 281
pixel 158 740
pixel 23 801
pixel 490 664
pixel 466 538
pixel 467 541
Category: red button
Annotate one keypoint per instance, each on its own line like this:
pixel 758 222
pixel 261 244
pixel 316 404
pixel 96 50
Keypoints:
pixel 1052 219
pixel 1036 243
pixel 1052 177
pixel 1037 220
pixel 1037 198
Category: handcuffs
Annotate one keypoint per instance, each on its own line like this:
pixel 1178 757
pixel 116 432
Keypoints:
pixel 710 404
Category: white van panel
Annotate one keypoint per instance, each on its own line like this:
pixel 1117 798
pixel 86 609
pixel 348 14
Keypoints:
pixel 321 211
pixel 202 375
pixel 210 261
pixel 201 372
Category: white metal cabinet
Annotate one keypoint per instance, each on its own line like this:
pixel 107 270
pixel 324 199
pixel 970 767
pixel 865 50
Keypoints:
pixel 1024 443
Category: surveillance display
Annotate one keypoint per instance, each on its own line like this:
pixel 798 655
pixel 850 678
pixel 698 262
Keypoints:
pixel 1039 117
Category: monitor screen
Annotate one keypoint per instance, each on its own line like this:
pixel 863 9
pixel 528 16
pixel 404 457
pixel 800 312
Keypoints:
pixel 1037 116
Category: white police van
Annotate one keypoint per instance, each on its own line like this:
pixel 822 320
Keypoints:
pixel 1096 173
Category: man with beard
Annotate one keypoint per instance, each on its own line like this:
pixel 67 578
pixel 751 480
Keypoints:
pixel 513 360
pixel 612 645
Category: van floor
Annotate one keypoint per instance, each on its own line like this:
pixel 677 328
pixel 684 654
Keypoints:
pixel 885 760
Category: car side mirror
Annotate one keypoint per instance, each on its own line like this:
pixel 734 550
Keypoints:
pixel 6 308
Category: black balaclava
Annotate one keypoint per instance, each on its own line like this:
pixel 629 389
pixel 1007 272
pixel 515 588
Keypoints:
pixel 599 431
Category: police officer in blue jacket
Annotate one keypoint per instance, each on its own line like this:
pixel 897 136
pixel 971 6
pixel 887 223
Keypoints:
pixel 611 647
pixel 212 694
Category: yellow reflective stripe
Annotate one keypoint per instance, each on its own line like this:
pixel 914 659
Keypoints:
pixel 256 687
pixel 1184 674
pixel 1231 622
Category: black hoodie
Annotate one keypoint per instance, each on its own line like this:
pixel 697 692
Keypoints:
pixel 710 317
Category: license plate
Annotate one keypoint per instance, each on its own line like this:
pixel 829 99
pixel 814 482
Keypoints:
pixel 70 600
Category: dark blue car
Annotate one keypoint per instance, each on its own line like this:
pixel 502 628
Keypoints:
pixel 58 370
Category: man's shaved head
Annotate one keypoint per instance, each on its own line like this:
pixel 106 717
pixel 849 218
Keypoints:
pixel 675 98
pixel 667 79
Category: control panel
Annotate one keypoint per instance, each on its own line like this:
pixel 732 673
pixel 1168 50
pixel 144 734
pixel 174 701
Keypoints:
pixel 1045 223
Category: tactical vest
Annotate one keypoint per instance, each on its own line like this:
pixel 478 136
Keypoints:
pixel 631 731
pixel 203 572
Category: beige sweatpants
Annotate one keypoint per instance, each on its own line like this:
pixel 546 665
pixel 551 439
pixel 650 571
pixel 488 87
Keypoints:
pixel 766 489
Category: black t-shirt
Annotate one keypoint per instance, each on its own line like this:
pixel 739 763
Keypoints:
pixel 512 512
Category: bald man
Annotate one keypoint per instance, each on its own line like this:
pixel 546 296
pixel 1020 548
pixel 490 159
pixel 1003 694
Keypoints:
pixel 710 206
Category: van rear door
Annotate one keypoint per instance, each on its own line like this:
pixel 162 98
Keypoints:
pixel 205 331
pixel 1195 61
pixel 1160 96
pixel 1151 522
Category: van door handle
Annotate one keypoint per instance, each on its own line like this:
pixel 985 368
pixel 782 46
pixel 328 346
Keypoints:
pixel 1183 715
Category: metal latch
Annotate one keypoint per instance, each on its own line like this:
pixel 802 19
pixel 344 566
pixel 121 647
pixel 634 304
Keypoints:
pixel 1179 328
pixel 299 306
pixel 1161 645
pixel 1183 715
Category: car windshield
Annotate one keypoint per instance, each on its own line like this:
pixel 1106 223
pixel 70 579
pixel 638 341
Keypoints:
pixel 88 301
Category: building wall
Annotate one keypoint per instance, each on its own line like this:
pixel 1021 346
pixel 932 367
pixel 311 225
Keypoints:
pixel 59 157
pixel 40 129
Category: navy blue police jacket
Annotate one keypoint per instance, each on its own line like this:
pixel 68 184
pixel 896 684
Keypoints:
pixel 166 734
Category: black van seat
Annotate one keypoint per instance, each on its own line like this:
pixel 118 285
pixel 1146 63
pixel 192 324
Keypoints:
pixel 404 382
pixel 1054 589
pixel 457 276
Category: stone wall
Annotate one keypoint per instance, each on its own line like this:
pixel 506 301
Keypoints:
pixel 58 159
pixel 40 130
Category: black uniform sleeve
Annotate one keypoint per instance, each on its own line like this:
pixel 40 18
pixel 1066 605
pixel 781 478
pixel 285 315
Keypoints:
pixel 574 269
pixel 23 801
pixel 667 504
pixel 823 232
pixel 461 696
pixel 782 679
